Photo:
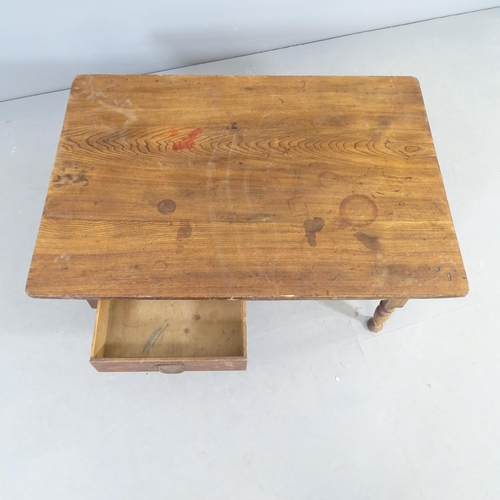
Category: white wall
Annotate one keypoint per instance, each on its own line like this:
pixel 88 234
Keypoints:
pixel 44 44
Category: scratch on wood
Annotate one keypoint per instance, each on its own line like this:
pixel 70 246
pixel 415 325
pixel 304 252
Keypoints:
pixel 220 138
pixel 297 205
pixel 153 338
pixel 118 108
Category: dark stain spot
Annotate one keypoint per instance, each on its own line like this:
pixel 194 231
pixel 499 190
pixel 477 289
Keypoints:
pixel 357 210
pixel 184 231
pixel 370 242
pixel 234 126
pixel 384 121
pixel 449 277
pixel 312 227
pixel 197 317
pixel 438 269
pixel 70 179
pixel 167 206
pixel 282 102
pixel 160 264
pixel 186 330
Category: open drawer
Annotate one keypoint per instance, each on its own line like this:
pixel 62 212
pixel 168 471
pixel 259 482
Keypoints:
pixel 170 336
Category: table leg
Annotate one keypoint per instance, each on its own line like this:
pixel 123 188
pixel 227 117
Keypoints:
pixel 383 313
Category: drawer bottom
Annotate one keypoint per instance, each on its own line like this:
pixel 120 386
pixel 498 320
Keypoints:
pixel 170 336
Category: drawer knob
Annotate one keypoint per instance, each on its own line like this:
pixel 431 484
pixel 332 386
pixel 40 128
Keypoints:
pixel 178 368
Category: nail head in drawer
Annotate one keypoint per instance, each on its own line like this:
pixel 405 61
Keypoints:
pixel 169 336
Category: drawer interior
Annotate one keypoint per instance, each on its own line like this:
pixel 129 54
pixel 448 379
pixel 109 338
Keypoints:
pixel 144 335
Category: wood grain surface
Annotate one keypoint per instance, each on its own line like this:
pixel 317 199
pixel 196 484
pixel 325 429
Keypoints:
pixel 181 187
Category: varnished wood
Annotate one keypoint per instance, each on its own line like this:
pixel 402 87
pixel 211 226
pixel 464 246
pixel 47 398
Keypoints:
pixel 383 312
pixel 169 336
pixel 190 187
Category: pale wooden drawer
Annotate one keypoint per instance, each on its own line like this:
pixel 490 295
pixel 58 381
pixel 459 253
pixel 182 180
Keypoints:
pixel 170 336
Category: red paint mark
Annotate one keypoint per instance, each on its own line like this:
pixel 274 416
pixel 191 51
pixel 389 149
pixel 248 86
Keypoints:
pixel 174 132
pixel 187 142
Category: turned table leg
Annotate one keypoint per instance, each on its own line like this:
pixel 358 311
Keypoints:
pixel 383 313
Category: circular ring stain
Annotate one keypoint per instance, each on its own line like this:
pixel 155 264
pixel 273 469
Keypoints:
pixel 358 210
pixel 328 179
pixel 166 206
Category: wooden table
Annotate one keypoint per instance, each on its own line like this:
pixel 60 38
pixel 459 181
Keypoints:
pixel 187 188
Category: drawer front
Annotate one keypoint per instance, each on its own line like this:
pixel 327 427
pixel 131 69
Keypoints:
pixel 169 336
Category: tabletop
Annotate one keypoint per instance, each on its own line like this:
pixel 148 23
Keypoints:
pixel 251 187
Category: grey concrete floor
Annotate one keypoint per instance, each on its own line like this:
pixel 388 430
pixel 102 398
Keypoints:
pixel 326 409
